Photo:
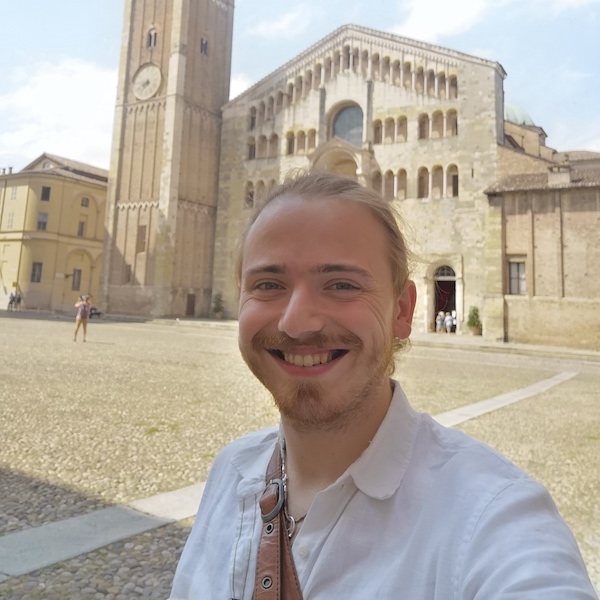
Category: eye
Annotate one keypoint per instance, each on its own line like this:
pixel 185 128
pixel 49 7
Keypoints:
pixel 341 286
pixel 267 285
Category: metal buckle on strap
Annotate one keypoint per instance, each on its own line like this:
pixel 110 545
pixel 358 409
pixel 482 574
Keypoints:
pixel 280 500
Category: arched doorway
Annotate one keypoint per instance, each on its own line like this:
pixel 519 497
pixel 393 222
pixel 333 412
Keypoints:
pixel 445 290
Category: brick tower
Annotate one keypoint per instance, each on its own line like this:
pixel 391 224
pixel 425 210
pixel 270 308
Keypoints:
pixel 161 207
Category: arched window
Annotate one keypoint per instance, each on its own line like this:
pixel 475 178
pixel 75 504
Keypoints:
pixel 430 83
pixel 300 142
pixel 437 125
pixel 273 150
pixel 437 182
pixel 396 72
pixel 402 134
pixel 251 149
pixel 390 131
pixel 377 182
pixel 261 147
pixel 364 63
pixel 451 123
pixel 423 183
pixel 423 126
pixel 279 102
pixel 452 181
pixel 348 125
pixel 270 107
pixel 407 75
pixel 453 88
pixel 375 67
pixel 444 271
pixel 385 69
pixel 261 113
pixel 289 146
pixel 355 60
pixel 252 118
pixel 377 132
pixel 388 186
pixel 317 77
pixel 249 196
pixel 308 82
pixel 442 86
pixel 260 193
pixel 420 81
pixel 327 67
pixel 336 63
pixel 346 58
pixel 152 38
pixel 311 140
pixel 401 178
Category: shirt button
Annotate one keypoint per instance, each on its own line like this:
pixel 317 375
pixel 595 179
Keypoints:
pixel 302 551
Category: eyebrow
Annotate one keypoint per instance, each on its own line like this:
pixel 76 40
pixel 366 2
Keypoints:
pixel 325 268
pixel 277 269
pixel 341 268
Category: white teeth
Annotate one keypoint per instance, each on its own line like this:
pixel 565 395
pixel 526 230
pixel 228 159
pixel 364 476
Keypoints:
pixel 307 360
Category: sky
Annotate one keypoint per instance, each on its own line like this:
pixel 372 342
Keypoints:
pixel 59 69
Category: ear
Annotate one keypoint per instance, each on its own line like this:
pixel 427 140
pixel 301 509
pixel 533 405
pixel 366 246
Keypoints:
pixel 405 308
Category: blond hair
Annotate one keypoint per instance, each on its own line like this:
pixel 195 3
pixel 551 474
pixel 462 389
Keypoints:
pixel 321 185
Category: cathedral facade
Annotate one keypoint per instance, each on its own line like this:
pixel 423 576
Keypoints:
pixel 426 126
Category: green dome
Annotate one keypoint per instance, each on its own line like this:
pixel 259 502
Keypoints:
pixel 515 114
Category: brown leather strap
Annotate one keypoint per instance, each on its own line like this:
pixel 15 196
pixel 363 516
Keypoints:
pixel 276 577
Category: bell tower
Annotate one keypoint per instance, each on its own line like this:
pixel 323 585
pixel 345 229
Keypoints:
pixel 161 203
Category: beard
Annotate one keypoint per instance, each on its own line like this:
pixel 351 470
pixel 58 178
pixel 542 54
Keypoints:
pixel 307 404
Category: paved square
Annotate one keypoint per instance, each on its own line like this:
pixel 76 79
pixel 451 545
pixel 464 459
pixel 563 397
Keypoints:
pixel 143 408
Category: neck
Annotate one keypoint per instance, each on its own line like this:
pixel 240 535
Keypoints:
pixel 318 457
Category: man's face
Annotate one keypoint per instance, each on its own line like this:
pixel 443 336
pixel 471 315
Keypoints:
pixel 318 313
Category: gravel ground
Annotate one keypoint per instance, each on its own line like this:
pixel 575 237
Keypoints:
pixel 143 408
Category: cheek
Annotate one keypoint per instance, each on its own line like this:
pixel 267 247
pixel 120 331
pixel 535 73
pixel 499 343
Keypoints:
pixel 367 317
pixel 252 317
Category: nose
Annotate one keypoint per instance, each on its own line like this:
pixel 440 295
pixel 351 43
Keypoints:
pixel 303 314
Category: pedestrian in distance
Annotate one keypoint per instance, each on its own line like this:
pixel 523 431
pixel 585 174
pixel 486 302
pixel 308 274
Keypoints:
pixel 439 322
pixel 355 495
pixel 11 302
pixel 17 303
pixel 83 306
pixel 448 322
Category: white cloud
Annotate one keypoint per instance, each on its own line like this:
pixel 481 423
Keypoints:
pixel 64 108
pixel 430 20
pixel 287 25
pixel 240 82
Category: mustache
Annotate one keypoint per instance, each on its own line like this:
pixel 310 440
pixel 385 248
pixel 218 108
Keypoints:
pixel 281 341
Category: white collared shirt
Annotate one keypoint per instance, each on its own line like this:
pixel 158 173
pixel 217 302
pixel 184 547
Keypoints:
pixel 425 513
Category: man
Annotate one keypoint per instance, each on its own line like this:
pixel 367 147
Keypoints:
pixel 379 501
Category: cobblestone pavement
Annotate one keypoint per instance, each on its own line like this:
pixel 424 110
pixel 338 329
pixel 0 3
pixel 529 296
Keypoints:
pixel 143 408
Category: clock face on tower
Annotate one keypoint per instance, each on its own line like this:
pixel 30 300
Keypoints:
pixel 146 81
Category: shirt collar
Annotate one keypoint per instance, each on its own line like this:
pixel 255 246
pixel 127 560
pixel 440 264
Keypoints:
pixel 379 470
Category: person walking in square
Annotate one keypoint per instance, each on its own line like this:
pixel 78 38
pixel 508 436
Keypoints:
pixel 83 306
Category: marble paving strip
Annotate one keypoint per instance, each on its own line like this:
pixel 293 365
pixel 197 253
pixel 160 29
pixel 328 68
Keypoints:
pixel 465 413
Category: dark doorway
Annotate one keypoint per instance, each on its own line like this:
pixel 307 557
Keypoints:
pixel 191 305
pixel 445 290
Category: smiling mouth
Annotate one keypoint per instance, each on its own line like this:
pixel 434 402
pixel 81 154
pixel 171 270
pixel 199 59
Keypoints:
pixel 308 360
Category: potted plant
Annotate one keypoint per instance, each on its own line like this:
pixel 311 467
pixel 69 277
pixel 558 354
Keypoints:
pixel 473 321
pixel 218 308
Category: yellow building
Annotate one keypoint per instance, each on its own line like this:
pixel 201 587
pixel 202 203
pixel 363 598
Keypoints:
pixel 51 232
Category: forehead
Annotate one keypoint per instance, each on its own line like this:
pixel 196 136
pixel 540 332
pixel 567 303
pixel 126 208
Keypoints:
pixel 317 229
